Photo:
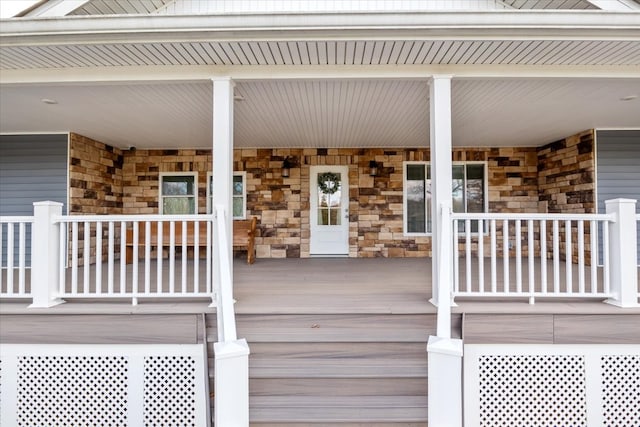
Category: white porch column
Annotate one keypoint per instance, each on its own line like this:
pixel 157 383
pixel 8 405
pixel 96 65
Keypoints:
pixel 45 255
pixel 623 253
pixel 223 160
pixel 441 175
pixel 444 353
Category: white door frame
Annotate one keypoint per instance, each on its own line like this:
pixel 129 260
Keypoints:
pixel 329 240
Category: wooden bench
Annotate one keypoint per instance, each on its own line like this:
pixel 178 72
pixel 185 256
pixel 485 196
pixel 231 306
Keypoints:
pixel 244 236
pixel 244 233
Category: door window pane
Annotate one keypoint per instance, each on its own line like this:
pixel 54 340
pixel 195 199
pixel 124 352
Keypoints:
pixel 329 198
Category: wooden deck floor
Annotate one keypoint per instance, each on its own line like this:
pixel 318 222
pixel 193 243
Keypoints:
pixel 337 286
pixel 377 286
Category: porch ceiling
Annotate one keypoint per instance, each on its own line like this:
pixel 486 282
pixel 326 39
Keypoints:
pixel 323 113
pixel 321 79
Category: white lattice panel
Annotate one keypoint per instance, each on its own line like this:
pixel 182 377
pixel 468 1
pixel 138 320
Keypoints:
pixel 532 391
pixel 552 385
pixel 621 390
pixel 107 385
pixel 70 391
pixel 170 391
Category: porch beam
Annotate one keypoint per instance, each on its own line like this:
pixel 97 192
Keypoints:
pixel 530 24
pixel 441 175
pixel 223 160
pixel 109 75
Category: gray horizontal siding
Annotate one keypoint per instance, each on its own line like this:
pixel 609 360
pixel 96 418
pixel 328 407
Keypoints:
pixel 32 168
pixel 618 168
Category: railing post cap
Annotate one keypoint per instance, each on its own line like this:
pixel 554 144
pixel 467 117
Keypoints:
pixel 231 349
pixel 620 201
pixel 449 346
pixel 47 203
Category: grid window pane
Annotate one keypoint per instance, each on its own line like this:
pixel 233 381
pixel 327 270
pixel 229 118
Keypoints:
pixel 178 205
pixel 177 185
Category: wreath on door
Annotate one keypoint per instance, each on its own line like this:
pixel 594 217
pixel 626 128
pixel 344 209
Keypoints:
pixel 328 182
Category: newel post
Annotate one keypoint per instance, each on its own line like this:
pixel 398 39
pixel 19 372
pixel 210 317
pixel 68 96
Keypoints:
pixel 45 254
pixel 444 365
pixel 231 383
pixel 623 252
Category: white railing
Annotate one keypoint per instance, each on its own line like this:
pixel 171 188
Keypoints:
pixel 231 354
pixel 531 255
pixel 15 256
pixel 226 317
pixel 135 256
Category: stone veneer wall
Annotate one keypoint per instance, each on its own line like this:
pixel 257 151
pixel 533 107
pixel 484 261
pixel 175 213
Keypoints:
pixel 375 203
pixel 95 185
pixel 567 174
pixel 95 177
pixel 560 175
pixel 567 182
pixel 141 172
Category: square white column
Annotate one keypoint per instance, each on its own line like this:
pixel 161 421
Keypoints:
pixel 441 175
pixel 223 160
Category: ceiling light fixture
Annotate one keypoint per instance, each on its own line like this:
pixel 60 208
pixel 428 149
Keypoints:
pixel 49 101
pixel 629 98
pixel 238 97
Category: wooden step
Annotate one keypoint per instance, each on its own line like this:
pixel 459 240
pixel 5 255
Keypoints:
pixel 387 386
pixel 336 328
pixel 337 409
pixel 337 360
pixel 345 424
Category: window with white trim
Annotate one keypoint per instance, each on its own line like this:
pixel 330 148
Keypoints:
pixel 468 193
pixel 178 193
pixel 238 194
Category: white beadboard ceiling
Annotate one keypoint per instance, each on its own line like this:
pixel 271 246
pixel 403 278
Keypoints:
pixel 324 113
pixel 299 53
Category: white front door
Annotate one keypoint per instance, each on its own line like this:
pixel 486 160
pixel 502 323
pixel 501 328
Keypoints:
pixel 329 217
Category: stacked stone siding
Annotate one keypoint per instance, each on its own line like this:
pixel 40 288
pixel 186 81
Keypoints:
pixel 566 174
pixel 95 185
pixel 566 182
pixel 141 176
pixel 519 180
pixel 95 177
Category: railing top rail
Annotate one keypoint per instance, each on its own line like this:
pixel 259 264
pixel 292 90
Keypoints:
pixel 133 218
pixel 16 219
pixel 225 310
pixel 534 216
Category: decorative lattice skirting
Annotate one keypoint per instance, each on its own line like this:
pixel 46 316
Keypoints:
pixel 114 385
pixel 552 385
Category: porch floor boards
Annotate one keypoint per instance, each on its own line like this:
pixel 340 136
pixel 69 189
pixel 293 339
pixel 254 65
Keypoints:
pixel 329 286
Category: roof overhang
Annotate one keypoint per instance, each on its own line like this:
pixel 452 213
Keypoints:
pixel 484 25
pixel 520 78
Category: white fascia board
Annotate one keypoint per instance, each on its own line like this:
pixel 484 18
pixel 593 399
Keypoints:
pixel 112 75
pixel 512 25
pixel 56 8
pixel 615 5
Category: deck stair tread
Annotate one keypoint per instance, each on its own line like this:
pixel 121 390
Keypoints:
pixel 342 370
pixel 367 386
pixel 338 408
pixel 336 328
